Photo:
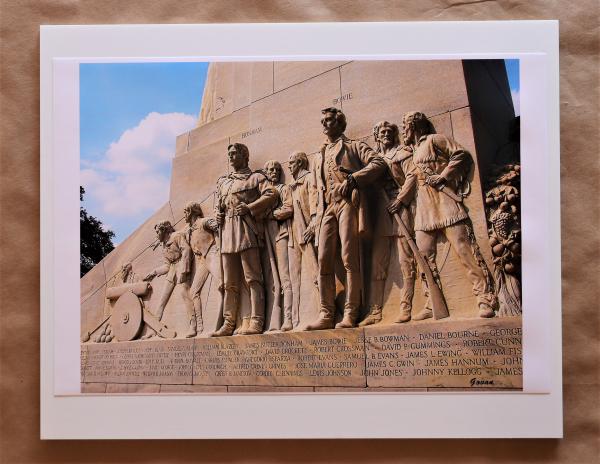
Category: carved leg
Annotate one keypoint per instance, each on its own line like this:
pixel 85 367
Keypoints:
pixel 408 268
pixel 380 262
pixel 427 243
pixel 327 249
pixel 286 284
pixel 458 236
pixel 348 230
pixel 254 280
pixel 164 299
pixel 232 275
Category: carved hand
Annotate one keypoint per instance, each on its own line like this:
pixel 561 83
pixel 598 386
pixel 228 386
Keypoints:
pixel 220 219
pixel 242 209
pixel 183 277
pixel 436 180
pixel 150 276
pixel 345 189
pixel 309 233
pixel 395 207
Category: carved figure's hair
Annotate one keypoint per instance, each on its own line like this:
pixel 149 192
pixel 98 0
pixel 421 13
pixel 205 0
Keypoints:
pixel 270 163
pixel 339 116
pixel 300 155
pixel 195 208
pixel 240 148
pixel 164 226
pixel 395 131
pixel 419 122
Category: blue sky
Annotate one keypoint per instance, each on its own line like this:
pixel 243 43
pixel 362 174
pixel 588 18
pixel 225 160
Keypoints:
pixel 130 115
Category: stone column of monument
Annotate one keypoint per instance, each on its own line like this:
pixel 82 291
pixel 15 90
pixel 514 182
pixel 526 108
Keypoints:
pixel 341 170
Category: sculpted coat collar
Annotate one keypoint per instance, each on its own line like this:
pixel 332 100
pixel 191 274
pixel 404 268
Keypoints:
pixel 300 178
pixel 241 174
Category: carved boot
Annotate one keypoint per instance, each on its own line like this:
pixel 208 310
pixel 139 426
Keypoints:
pixel 287 319
pixel 254 327
pixel 349 319
pixel 243 326
pixel 327 311
pixel 404 315
pixel 323 322
pixel 228 326
pixel 374 316
pixel 426 313
pixel 352 302
pixel 486 310
pixel 191 332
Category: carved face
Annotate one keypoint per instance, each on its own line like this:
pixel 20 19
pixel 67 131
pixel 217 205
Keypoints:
pixel 237 160
pixel 295 166
pixel 187 215
pixel 408 132
pixel 273 171
pixel 331 127
pixel 386 136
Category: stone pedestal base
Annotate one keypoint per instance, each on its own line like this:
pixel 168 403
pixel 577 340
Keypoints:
pixel 469 354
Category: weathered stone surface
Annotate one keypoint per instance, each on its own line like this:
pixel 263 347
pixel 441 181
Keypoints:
pixel 193 389
pixel 246 389
pixel 133 388
pixel 93 388
pixel 331 357
pixel 432 87
pixel 288 73
pixel 157 362
pixel 467 353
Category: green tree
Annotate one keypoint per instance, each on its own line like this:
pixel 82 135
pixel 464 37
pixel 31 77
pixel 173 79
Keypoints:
pixel 96 242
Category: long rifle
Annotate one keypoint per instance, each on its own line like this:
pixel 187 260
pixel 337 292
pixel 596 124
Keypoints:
pixel 438 303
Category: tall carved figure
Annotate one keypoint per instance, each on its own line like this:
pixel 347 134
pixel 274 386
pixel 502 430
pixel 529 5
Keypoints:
pixel 242 197
pixel 341 170
pixel 399 189
pixel 177 267
pixel 302 233
pixel 277 225
pixel 200 236
pixel 442 167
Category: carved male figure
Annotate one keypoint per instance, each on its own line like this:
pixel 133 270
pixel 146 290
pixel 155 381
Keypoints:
pixel 242 197
pixel 177 265
pixel 399 191
pixel 277 224
pixel 302 231
pixel 442 167
pixel 200 236
pixel 341 170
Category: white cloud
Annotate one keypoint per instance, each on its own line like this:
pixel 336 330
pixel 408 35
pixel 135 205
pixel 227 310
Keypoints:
pixel 516 98
pixel 132 179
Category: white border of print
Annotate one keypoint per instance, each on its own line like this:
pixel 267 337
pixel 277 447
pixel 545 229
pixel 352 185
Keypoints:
pixel 535 413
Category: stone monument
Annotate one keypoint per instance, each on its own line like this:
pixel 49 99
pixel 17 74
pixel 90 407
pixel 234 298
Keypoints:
pixel 401 194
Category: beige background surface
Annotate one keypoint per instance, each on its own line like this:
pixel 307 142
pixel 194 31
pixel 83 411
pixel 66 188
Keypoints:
pixel 19 226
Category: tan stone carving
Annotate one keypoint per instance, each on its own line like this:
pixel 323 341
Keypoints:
pixel 177 266
pixel 242 197
pixel 502 205
pixel 199 234
pixel 341 170
pixel 301 239
pixel 277 233
pixel 442 167
pixel 399 200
